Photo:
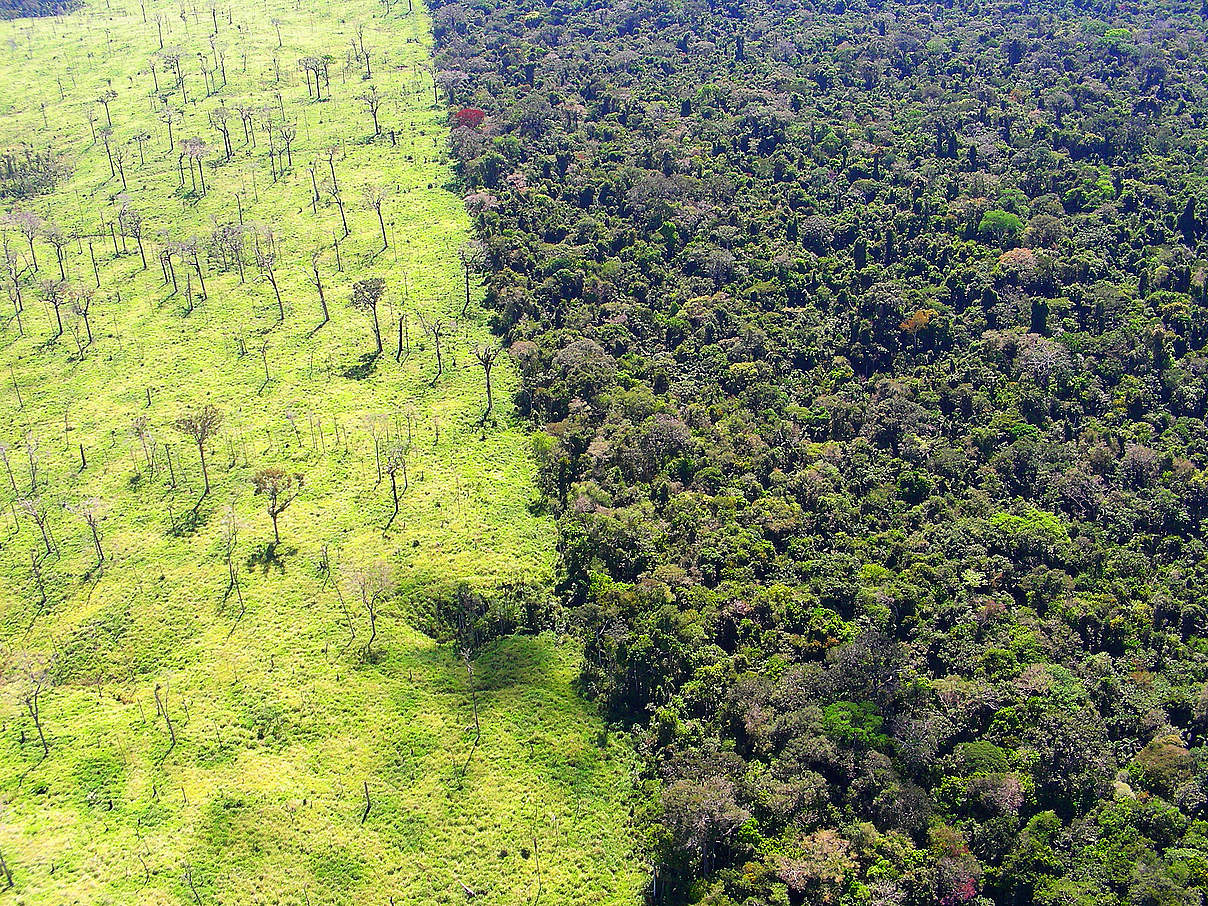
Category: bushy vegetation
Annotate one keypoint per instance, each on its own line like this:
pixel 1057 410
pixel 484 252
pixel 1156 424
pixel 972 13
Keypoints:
pixel 248 446
pixel 868 345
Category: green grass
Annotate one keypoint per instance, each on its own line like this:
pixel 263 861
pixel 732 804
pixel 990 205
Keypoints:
pixel 279 719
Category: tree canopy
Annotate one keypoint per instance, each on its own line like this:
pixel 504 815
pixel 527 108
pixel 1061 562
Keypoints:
pixel 867 346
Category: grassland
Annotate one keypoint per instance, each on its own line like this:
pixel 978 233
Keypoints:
pixel 216 744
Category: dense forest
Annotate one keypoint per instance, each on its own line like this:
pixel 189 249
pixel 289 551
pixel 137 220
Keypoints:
pixel 20 9
pixel 866 345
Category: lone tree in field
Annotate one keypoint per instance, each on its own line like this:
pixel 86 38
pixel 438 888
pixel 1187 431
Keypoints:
pixel 220 119
pixel 372 582
pixel 38 680
pixel 396 461
pixel 28 224
pixel 266 259
pixel 473 258
pixel 141 139
pixel 88 511
pixel 171 59
pixel 375 197
pixel 169 115
pixel 373 102
pixel 280 488
pixel 486 356
pixel 436 329
pixel 317 280
pixel 366 294
pixel 56 294
pixel 81 302
pixel 59 241
pixel 108 96
pixel 131 223
pixel 201 425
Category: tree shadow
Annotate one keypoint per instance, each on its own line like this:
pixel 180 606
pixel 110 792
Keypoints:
pixel 269 557
pixel 363 368
pixel 187 523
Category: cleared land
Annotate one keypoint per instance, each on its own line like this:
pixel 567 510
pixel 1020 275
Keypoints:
pixel 213 741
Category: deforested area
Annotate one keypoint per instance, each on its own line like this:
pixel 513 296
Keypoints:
pixel 277 622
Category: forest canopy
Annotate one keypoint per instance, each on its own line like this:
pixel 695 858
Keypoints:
pixel 867 347
pixel 21 9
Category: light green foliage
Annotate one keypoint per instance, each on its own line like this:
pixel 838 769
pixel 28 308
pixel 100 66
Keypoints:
pixel 279 716
pixel 1000 225
pixel 1034 530
pixel 855 723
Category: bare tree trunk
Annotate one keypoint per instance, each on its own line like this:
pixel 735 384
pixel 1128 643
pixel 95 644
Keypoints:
pixel 171 732
pixel 35 712
pixel 394 494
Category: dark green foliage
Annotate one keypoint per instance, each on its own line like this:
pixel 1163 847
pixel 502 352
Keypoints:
pixel 26 172
pixel 867 343
pixel 20 9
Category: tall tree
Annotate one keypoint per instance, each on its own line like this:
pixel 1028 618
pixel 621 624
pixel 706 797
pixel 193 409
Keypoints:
pixel 366 294
pixel 201 425
pixel 280 488
pixel 375 198
pixel 486 355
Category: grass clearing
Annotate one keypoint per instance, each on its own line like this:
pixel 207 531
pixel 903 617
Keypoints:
pixel 279 720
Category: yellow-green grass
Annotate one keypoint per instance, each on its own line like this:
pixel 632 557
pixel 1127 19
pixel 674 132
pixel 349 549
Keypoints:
pixel 280 720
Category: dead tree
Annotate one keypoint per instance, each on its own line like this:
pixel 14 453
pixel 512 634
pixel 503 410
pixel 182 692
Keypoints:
pixel 33 706
pixel 366 294
pixel 396 462
pixel 142 430
pixel 141 139
pixel 28 224
pixel 334 189
pixel 373 102
pixel 266 257
pixel 230 541
pixel 162 708
pixel 486 356
pixel 106 134
pixel 119 159
pixel 131 222
pixel 201 425
pixel 169 116
pixel 317 280
pixel 435 329
pixel 87 510
pixel 220 119
pixel 54 234
pixel 465 656
pixel 473 258
pixel 81 304
pixel 55 292
pixel 32 506
pixel 375 197
pixel 287 132
pixel 195 149
pixel 372 583
pixel 280 488
pixel 171 59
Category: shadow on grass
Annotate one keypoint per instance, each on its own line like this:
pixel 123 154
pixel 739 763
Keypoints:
pixel 187 523
pixel 516 660
pixel 269 557
pixel 363 368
